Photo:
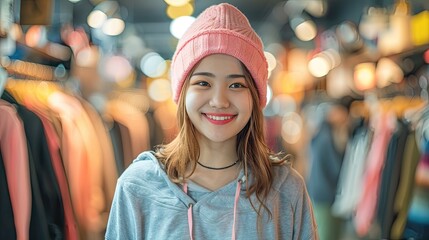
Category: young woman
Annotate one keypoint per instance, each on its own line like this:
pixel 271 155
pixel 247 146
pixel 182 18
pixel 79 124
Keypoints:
pixel 217 179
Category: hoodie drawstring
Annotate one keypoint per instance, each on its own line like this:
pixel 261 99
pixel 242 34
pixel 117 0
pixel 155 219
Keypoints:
pixel 190 223
pixel 237 196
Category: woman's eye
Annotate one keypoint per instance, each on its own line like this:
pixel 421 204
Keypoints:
pixel 237 85
pixel 202 83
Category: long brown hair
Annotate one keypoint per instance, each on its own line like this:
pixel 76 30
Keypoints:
pixel 258 159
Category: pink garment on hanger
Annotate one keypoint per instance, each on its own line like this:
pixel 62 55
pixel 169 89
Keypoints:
pixel 14 150
pixel 367 204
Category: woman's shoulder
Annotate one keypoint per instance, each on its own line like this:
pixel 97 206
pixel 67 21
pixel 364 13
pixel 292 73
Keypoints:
pixel 144 168
pixel 287 179
pixel 145 181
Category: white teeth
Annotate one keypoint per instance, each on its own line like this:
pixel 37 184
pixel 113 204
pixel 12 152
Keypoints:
pixel 219 118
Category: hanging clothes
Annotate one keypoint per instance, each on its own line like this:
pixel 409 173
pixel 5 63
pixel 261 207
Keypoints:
pixel 47 217
pixel 82 156
pixel 134 129
pixel 349 188
pixel 17 169
pixel 115 135
pixel 406 186
pixel 383 125
pixel 417 226
pixel 390 178
pixel 70 226
pixel 108 171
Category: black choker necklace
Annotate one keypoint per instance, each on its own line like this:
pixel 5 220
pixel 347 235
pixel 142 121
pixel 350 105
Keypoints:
pixel 221 168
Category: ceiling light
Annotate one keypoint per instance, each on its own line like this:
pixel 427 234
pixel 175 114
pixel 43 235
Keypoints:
pixel 177 3
pixel 96 18
pixel 113 26
pixel 304 28
pixel 179 25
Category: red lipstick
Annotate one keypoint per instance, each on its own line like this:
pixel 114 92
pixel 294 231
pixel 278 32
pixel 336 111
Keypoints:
pixel 219 119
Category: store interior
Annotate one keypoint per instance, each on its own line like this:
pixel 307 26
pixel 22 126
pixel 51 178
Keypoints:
pixel 85 87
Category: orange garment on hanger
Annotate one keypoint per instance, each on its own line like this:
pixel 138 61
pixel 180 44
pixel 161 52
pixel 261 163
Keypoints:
pixel 82 159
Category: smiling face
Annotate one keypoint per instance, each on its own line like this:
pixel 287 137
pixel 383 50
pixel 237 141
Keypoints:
pixel 218 99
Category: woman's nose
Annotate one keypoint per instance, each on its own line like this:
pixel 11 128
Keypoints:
pixel 219 99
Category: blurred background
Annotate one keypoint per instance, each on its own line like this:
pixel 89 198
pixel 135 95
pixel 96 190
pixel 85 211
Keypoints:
pixel 85 87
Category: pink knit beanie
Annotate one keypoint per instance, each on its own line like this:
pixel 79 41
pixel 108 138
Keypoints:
pixel 220 29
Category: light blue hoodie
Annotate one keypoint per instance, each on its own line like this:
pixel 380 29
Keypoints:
pixel 147 205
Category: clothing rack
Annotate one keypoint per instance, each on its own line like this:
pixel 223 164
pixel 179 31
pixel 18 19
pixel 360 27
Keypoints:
pixel 30 71
pixel 398 105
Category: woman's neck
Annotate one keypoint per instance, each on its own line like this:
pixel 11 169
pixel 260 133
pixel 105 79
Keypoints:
pixel 217 154
pixel 215 179
pixel 216 166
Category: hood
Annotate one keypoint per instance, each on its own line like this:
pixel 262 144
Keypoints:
pixel 158 171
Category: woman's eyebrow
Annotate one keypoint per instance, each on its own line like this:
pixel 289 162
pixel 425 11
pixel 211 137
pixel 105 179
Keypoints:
pixel 208 74
pixel 235 76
